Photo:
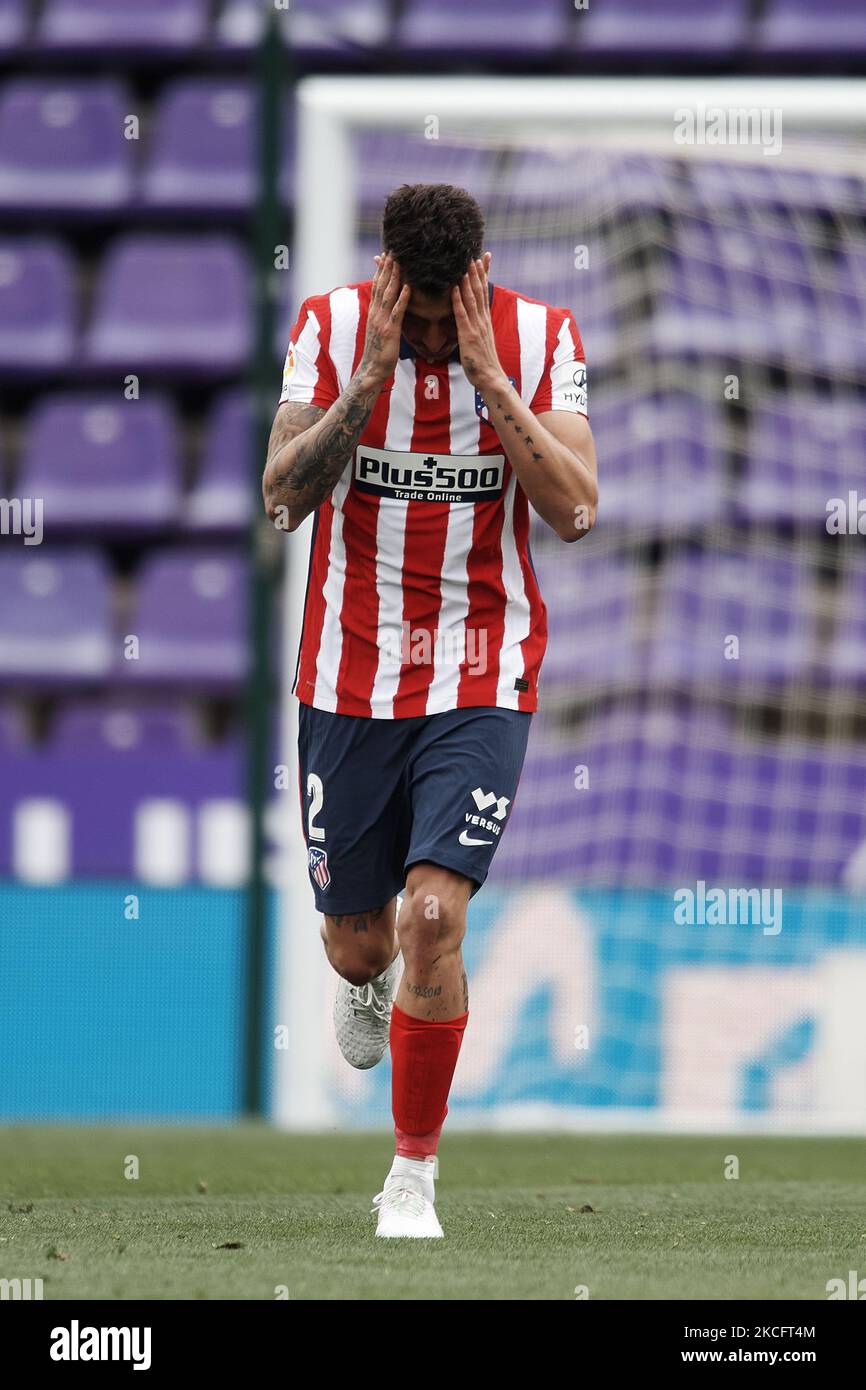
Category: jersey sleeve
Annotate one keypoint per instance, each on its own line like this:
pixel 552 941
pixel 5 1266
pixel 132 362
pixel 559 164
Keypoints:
pixel 309 375
pixel 563 381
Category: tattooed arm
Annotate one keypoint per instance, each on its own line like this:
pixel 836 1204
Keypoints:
pixel 310 447
pixel 553 454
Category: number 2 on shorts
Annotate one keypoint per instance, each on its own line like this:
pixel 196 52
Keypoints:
pixel 316 793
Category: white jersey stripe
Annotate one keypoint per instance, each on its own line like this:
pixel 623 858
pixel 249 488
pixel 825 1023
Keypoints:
pixel 465 424
pixel 331 645
pixel 301 373
pixel 465 436
pixel 345 308
pixel 390 541
pixel 517 608
pixel 567 376
pixel 532 331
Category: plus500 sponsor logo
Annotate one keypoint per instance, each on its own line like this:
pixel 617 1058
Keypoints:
pixel 429 477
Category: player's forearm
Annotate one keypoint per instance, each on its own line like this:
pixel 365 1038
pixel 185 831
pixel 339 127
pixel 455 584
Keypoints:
pixel 302 471
pixel 559 483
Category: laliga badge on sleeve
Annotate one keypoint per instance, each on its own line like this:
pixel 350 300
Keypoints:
pixel 289 368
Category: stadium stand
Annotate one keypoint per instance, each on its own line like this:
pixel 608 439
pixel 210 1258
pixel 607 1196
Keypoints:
pixel 106 274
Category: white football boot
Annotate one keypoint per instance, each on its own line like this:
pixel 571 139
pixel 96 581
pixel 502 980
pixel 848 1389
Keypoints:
pixel 405 1204
pixel 362 1016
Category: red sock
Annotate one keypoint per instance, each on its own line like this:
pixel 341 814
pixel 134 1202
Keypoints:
pixel 423 1057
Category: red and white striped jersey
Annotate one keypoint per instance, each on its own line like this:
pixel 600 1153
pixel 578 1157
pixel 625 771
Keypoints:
pixel 421 594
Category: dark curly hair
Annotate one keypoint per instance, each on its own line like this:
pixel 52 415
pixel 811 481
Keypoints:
pixel 434 230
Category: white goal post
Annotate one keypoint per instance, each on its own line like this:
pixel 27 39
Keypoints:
pixel 330 110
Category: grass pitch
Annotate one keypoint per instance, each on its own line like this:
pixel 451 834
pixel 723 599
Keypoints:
pixel 239 1213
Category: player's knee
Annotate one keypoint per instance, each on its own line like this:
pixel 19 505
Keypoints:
pixel 432 919
pixel 356 958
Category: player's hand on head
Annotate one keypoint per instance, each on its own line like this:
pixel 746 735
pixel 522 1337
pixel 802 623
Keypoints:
pixel 388 300
pixel 471 304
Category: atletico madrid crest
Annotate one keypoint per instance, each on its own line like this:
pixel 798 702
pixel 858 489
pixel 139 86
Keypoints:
pixel 481 405
pixel 319 866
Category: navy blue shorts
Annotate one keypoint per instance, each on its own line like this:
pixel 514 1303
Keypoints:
pixel 379 795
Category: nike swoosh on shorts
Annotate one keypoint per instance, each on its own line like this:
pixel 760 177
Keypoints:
pixel 466 839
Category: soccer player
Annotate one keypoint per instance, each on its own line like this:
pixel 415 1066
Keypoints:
pixel 422 412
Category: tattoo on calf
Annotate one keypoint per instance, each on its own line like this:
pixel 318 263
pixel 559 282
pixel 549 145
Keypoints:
pixel 425 991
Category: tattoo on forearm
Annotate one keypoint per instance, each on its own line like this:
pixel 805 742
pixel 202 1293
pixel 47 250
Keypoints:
pixel 465 994
pixel 301 478
pixel 508 419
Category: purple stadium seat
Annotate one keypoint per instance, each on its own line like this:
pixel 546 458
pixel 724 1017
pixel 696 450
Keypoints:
pixel 765 601
pixel 172 304
pixel 546 270
pixel 116 24
pixel 13 733
pixel 203 153
pixel 621 825
pixel 62 146
pixel 663 465
pixel 121 726
pixel 386 159
pixel 344 29
pixel 55 623
pixel 13 23
pixel 222 497
pixel 239 23
pixel 37 306
pixel 632 30
pixel 800 29
pixel 503 28
pixel 847 299
pixel 594 180
pixel 115 800
pixel 189 615
pixel 802 452
pixel 746 189
pixel 593 619
pixel 101 463
pixel 670 796
pixel 845 660
pixel 757 292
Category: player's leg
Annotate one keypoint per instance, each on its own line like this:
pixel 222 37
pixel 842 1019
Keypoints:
pixel 361 945
pixel 351 789
pixel 464 773
pixel 431 932
pixel 362 948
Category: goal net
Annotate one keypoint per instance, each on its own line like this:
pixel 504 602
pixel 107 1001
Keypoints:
pixel 673 931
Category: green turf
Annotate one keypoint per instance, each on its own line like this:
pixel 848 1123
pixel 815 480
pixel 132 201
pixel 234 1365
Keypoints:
pixel 664 1222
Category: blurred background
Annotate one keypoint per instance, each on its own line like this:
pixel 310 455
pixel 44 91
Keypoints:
pixel 150 189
